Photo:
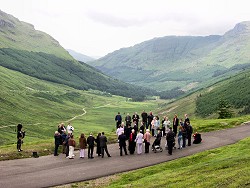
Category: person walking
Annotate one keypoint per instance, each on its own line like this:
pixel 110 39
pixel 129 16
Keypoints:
pixel 147 137
pixel 122 143
pixel 170 140
pixel 83 144
pixel 72 145
pixel 139 141
pixel 91 144
pixel 103 145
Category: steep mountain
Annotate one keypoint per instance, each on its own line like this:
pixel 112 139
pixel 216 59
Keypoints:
pixel 180 61
pixel 80 57
pixel 32 52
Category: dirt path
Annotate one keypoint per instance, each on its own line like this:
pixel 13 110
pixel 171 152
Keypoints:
pixel 50 171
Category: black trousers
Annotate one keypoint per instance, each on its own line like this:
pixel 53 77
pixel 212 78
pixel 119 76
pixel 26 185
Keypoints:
pixel 56 149
pixel 90 151
pixel 170 147
pixel 106 150
pixel 184 137
pixel 124 148
pixel 147 147
pixel 189 139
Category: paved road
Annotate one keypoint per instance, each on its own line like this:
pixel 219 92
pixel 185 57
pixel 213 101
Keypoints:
pixel 50 171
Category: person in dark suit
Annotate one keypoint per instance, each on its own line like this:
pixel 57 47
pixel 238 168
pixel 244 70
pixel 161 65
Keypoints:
pixel 170 140
pixel 186 119
pixel 91 144
pixel 122 143
pixel 118 119
pixel 175 124
pixel 150 119
pixel 144 117
pixel 103 145
pixel 128 120
pixel 135 118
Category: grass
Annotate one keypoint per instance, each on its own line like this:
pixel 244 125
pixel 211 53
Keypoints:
pixel 227 166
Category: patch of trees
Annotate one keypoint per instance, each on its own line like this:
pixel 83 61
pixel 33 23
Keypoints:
pixel 170 94
pixel 77 75
pixel 234 90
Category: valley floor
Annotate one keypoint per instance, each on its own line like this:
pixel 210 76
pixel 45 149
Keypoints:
pixel 51 171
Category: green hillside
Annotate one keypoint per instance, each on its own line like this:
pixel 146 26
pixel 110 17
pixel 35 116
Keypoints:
pixel 40 106
pixel 235 91
pixel 187 62
pixel 24 49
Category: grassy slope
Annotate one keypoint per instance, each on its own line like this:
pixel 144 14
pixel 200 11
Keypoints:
pixel 23 36
pixel 161 62
pixel 40 106
pixel 234 90
pixel 32 52
pixel 228 166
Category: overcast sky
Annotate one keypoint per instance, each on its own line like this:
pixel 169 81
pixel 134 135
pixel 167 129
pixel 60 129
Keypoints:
pixel 98 27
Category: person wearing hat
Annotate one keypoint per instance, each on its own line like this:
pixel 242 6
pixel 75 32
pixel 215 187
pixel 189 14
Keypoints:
pixel 170 140
pixel 147 137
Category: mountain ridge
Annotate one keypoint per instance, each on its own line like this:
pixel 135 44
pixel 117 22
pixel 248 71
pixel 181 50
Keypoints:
pixel 188 59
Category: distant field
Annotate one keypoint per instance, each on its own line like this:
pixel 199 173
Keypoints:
pixel 228 166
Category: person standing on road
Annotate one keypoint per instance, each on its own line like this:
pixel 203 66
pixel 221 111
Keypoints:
pixel 118 119
pixel 83 144
pixel 128 120
pixel 103 144
pixel 135 118
pixel 132 144
pixel 170 140
pixel 72 145
pixel 122 143
pixel 139 141
pixel 98 147
pixel 189 132
pixel 175 123
pixel 58 140
pixel 180 137
pixel 144 117
pixel 147 137
pixel 20 136
pixel 91 144
pixel 150 119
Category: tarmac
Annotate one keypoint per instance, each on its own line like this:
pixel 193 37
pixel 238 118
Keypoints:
pixel 48 171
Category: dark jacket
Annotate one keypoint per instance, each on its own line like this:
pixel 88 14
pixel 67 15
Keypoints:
pixel 122 140
pixel 91 141
pixel 103 141
pixel 58 139
pixel 144 116
pixel 170 136
pixel 150 118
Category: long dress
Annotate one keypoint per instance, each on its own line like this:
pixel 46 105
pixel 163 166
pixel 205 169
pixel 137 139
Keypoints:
pixel 132 143
pixel 98 147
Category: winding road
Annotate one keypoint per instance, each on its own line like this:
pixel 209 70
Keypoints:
pixel 51 171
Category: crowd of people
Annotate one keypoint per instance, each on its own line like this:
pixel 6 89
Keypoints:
pixel 130 135
pixel 178 129
pixel 64 136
